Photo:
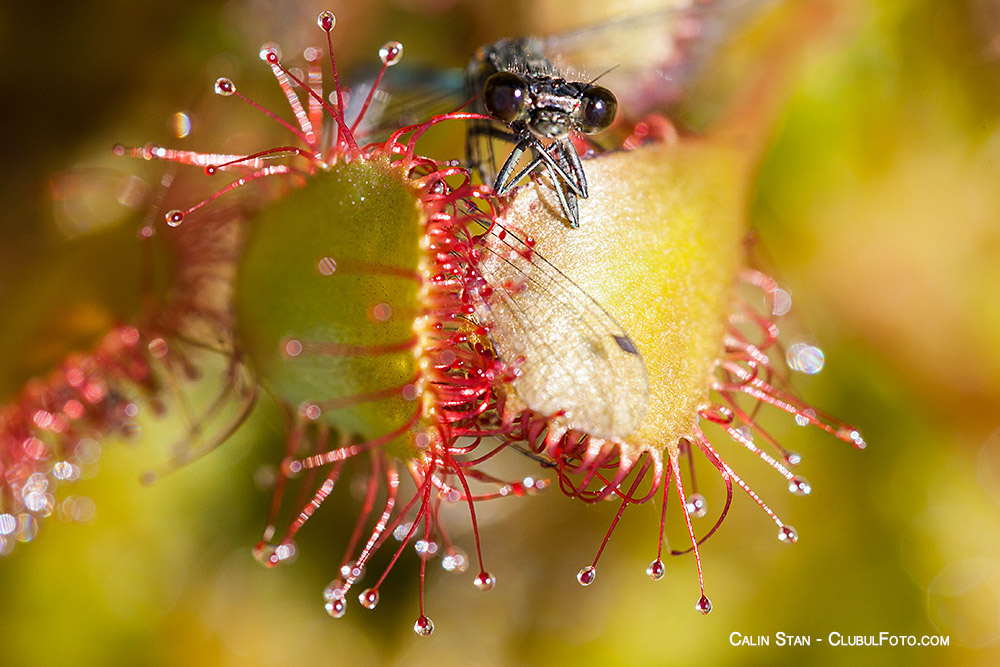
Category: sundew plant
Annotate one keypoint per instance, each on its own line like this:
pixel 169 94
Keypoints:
pixel 423 338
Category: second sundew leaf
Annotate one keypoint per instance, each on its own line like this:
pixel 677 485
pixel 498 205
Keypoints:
pixel 327 293
pixel 658 248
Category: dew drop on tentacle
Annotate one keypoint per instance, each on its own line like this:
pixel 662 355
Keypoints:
pixel 485 581
pixel 270 53
pixel 334 590
pixel 424 626
pixel 326 21
pixel 425 548
pixel 455 560
pixel 327 266
pixel 368 598
pixel 696 505
pixel 799 486
pixel 402 530
pixel 351 571
pixel 656 570
pixel 174 217
pixel 805 358
pixel 270 555
pixel 704 605
pixel 334 600
pixel 390 53
pixel 852 435
pixel 782 302
pixel 224 87
pixel 336 608
pixel 291 348
pixel 788 535
pixel 587 575
pixel 263 553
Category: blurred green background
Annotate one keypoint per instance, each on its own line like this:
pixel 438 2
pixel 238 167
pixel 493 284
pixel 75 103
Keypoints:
pixel 876 205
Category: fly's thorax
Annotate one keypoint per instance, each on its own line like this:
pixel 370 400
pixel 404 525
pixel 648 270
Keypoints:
pixel 552 107
pixel 522 56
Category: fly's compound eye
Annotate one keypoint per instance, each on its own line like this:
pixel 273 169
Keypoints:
pixel 598 107
pixel 505 96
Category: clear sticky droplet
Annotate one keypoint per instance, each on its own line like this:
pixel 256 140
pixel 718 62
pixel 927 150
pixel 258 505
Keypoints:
pixel 656 570
pixel 291 347
pixel 310 411
pixel 224 86
pixel 402 530
pixel 782 301
pixel 704 605
pixel 326 21
pixel 158 347
pixel 334 590
pixel 390 53
pixel 79 509
pixel 805 358
pixel 485 581
pixel 180 124
pixel 696 505
pixel 64 470
pixel 587 575
pixel 174 218
pixel 799 486
pixel 788 535
pixel 336 608
pixel 425 548
pixel 270 53
pixel 368 598
pixel 803 418
pixel 327 266
pixel 27 528
pixel 265 554
pixel 455 560
pixel 858 441
pixel 424 626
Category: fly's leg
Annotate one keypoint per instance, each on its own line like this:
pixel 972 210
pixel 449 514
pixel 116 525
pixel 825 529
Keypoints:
pixel 504 183
pixel 571 160
pixel 567 198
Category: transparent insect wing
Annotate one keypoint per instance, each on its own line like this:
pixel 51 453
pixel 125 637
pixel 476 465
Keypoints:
pixel 650 59
pixel 571 356
pixel 410 94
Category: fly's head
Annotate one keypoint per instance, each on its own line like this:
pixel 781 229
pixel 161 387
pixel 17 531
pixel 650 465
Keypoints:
pixel 550 108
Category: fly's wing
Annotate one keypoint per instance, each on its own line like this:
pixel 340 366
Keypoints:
pixel 652 60
pixel 407 95
pixel 571 356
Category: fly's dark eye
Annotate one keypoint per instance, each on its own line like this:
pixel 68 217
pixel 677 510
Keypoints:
pixel 597 110
pixel 505 96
